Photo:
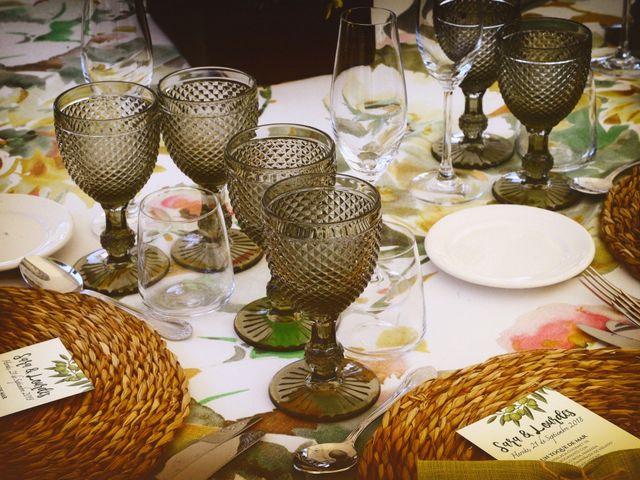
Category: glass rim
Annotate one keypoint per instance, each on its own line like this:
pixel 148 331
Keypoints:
pixel 58 109
pixel 521 28
pixel 192 188
pixel 404 229
pixel 513 16
pixel 252 85
pixel 392 18
pixel 232 161
pixel 376 207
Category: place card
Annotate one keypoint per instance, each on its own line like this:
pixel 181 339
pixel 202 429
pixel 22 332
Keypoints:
pixel 38 374
pixel 548 426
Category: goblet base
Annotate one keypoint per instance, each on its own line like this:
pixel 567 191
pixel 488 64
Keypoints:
pixel 245 253
pixel 618 67
pixel 430 187
pixel 194 254
pixel 120 278
pixel 264 327
pixel 493 151
pixel 354 391
pixel 555 194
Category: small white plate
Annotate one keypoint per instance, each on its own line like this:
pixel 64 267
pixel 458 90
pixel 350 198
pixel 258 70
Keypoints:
pixel 509 246
pixel 31 225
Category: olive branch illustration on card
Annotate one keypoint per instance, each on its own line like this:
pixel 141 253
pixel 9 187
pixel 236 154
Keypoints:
pixel 68 371
pixel 525 407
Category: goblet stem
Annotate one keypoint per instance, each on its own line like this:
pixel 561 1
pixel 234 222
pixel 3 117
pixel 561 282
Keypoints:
pixel 538 161
pixel 445 172
pixel 473 122
pixel 322 353
pixel 623 51
pixel 117 238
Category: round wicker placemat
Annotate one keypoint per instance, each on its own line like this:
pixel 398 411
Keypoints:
pixel 620 221
pixel 114 431
pixel 423 424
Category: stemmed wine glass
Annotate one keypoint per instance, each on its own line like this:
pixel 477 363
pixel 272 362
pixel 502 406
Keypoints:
pixel 623 62
pixel 116 43
pixel 476 148
pixel 323 241
pixel 108 134
pixel 256 159
pixel 368 102
pixel 202 108
pixel 543 71
pixel 449 36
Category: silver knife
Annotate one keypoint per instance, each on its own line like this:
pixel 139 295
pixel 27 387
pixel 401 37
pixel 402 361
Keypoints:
pixel 608 337
pixel 203 458
pixel 624 329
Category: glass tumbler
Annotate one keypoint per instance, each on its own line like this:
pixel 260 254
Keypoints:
pixel 178 215
pixel 389 317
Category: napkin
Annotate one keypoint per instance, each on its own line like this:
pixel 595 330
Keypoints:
pixel 620 465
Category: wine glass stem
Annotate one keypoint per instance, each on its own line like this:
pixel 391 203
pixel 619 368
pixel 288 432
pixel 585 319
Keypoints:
pixel 445 172
pixel 117 238
pixel 623 50
pixel 322 353
pixel 473 121
pixel 538 160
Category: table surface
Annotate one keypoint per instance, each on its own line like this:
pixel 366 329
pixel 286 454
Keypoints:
pixel 466 323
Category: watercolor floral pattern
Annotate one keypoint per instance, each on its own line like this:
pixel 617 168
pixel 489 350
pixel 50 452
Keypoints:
pixel 554 326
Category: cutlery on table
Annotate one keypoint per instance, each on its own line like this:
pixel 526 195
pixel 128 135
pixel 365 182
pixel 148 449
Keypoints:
pixel 50 274
pixel 608 337
pixel 203 458
pixel 596 185
pixel 624 329
pixel 613 296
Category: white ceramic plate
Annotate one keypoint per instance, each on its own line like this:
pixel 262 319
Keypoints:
pixel 509 246
pixel 31 225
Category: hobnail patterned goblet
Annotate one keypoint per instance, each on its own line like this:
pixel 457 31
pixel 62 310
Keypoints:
pixel 257 158
pixel 475 147
pixel 202 108
pixel 108 134
pixel 323 242
pixel 544 68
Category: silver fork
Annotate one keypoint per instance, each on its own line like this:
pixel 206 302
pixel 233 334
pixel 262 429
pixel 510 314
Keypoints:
pixel 613 296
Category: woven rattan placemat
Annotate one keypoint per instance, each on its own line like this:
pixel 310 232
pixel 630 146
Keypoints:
pixel 114 431
pixel 620 221
pixel 423 424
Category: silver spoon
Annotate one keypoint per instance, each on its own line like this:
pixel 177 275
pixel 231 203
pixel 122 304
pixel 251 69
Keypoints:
pixel 51 274
pixel 599 186
pixel 341 456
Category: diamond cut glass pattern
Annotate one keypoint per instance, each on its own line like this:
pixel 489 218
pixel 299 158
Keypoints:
pixel 202 108
pixel 256 159
pixel 544 68
pixel 108 134
pixel 323 246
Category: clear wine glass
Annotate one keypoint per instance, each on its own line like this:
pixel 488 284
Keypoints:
pixel 449 36
pixel 622 63
pixel 116 44
pixel 368 95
